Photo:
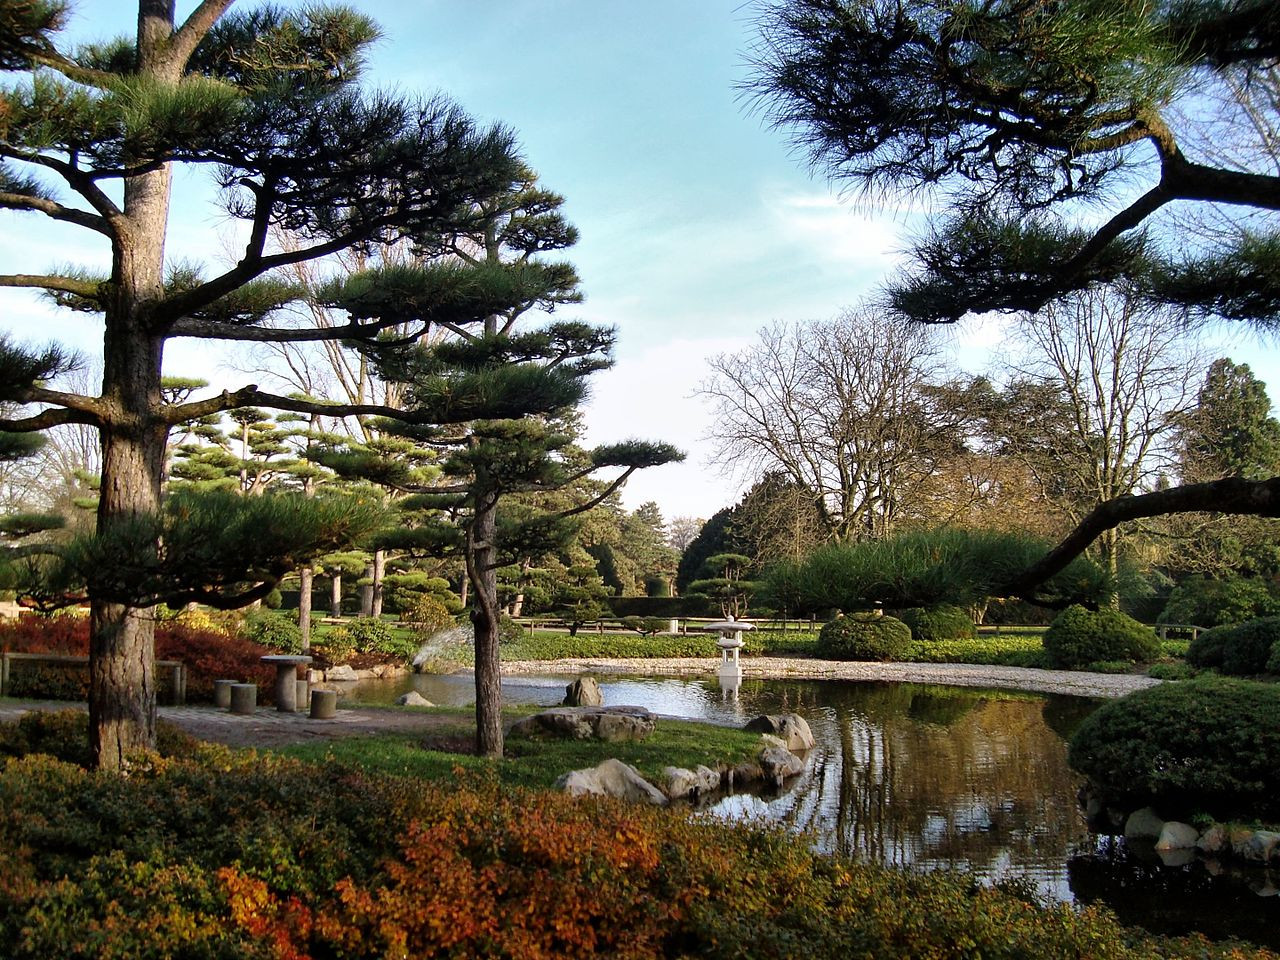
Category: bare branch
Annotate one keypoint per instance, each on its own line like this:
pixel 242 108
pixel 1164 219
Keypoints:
pixel 56 211
pixel 186 38
pixel 46 419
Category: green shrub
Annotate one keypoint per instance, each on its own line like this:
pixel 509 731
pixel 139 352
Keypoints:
pixel 929 625
pixel 1240 649
pixel 225 855
pixel 864 636
pixel 1078 637
pixel 1206 745
pixel 1273 659
pixel 1206 649
pixel 278 631
pixel 1213 603
pixel 428 614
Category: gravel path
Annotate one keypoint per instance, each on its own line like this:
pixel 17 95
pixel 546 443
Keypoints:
pixel 1073 682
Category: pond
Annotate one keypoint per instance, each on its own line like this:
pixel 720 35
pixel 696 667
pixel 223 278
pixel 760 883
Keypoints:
pixel 932 777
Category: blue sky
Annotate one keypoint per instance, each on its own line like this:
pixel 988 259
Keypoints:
pixel 698 224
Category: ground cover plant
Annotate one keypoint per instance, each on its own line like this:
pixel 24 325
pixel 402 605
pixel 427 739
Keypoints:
pixel 226 854
pixel 533 763
pixel 1200 746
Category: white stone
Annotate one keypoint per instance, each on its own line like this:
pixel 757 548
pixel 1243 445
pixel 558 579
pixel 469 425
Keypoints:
pixel 1177 836
pixel 612 778
pixel 791 728
pixel 413 699
pixel 681 783
pixel 343 671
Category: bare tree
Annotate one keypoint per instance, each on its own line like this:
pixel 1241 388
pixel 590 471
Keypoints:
pixel 849 409
pixel 1112 377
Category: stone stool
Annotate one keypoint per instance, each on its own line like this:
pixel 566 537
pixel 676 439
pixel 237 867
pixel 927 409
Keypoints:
pixel 244 698
pixel 222 693
pixel 324 704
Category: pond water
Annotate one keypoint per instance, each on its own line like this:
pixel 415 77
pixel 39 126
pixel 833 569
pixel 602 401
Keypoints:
pixel 931 777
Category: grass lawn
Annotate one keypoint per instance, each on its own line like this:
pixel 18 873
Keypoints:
pixel 529 762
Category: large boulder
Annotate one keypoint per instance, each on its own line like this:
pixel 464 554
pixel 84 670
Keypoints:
pixel 612 778
pixel 342 672
pixel 791 728
pixel 583 692
pixel 777 762
pixel 1144 824
pixel 611 724
pixel 1177 836
pixel 682 784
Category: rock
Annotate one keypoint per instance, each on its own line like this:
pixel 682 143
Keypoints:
pixel 583 692
pixel 791 728
pixel 1143 824
pixel 343 671
pixel 682 784
pixel 1177 836
pixel 611 724
pixel 612 778
pixel 777 763
pixel 1260 847
pixel 1214 840
pixel 413 699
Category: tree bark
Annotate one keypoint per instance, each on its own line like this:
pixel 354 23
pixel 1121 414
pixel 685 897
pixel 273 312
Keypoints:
pixel 335 599
pixel 379 570
pixel 305 577
pixel 486 618
pixel 366 592
pixel 122 692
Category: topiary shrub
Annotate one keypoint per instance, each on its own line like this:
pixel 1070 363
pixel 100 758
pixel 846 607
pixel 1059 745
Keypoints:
pixel 1206 745
pixel 864 636
pixel 1240 649
pixel 1078 637
pixel 934 624
pixel 1214 603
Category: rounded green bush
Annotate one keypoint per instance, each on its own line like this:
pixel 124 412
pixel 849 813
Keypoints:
pixel 1206 745
pixel 864 636
pixel 278 631
pixel 933 624
pixel 1206 649
pixel 1240 649
pixel 428 614
pixel 1078 637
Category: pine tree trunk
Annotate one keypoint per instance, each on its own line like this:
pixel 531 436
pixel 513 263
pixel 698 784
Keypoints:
pixel 366 592
pixel 305 577
pixel 379 570
pixel 485 616
pixel 335 599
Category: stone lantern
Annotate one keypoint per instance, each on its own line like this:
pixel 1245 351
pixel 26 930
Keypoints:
pixel 730 643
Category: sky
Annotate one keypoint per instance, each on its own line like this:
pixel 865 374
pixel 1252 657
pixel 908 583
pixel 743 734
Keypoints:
pixel 699 224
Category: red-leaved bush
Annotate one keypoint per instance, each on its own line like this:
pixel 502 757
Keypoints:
pixel 208 653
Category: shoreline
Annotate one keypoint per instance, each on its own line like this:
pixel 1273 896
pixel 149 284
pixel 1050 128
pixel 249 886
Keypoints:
pixel 1070 682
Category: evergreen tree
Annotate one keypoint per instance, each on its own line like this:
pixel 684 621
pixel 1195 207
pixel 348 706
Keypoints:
pixel 1230 431
pixel 268 103
pixel 1020 120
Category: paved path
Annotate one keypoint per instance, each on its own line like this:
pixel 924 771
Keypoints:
pixel 268 727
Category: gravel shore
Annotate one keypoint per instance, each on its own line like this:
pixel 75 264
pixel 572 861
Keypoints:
pixel 1072 682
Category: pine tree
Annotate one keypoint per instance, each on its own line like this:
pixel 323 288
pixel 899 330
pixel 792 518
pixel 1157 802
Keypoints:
pixel 268 104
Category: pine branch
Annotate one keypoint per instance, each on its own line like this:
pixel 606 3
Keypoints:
pixel 78 180
pixel 75 285
pixel 218 330
pixel 56 211
pixel 252 396
pixel 183 42
pixel 48 418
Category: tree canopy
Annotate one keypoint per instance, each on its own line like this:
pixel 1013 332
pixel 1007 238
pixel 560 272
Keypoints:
pixel 1021 120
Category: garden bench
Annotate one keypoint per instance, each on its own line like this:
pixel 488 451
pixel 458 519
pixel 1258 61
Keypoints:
pixel 173 690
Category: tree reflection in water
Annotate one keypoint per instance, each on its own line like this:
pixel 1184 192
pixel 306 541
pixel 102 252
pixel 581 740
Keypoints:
pixel 936 777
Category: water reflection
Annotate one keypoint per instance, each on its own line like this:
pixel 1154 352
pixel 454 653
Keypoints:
pixel 918 776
